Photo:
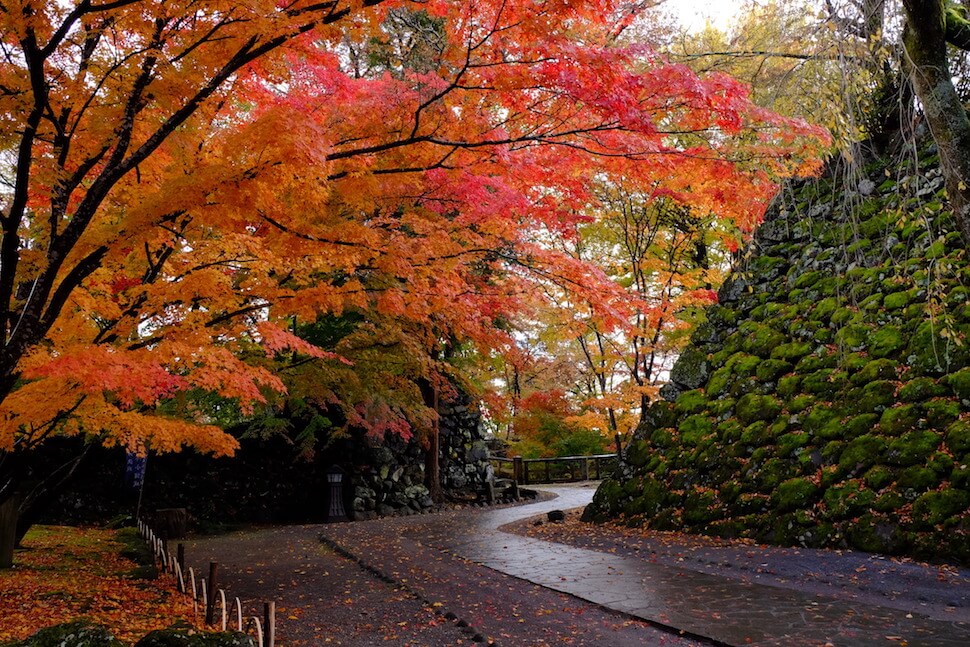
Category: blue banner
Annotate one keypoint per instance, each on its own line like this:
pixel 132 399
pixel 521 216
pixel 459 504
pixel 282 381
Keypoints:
pixel 135 470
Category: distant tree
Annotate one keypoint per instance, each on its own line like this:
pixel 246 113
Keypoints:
pixel 930 26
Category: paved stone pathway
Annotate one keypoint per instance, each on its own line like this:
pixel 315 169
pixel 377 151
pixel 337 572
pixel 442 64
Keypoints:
pixel 723 610
pixel 429 598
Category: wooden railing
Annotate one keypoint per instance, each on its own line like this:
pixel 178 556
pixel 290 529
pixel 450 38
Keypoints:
pixel 562 469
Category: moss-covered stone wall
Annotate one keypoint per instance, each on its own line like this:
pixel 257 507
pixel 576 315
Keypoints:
pixel 826 400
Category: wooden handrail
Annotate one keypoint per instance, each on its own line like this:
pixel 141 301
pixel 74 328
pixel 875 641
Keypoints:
pixel 523 475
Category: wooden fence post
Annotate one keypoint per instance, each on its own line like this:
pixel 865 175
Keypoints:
pixel 269 619
pixel 210 602
pixel 518 475
pixel 180 564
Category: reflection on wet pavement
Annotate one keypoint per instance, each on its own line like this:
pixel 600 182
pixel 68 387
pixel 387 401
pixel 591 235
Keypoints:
pixel 723 609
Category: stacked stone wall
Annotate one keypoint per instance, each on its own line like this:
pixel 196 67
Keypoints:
pixel 389 478
pixel 826 400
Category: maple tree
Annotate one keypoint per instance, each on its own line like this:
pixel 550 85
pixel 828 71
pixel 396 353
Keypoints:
pixel 184 180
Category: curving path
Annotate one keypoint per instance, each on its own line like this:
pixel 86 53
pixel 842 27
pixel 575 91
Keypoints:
pixel 722 609
pixel 455 578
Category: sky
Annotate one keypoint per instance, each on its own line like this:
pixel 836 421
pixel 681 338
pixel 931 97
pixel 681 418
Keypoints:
pixel 694 14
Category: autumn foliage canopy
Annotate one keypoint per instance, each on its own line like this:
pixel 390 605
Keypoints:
pixel 185 179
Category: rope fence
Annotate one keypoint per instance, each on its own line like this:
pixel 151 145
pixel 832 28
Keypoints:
pixel 207 596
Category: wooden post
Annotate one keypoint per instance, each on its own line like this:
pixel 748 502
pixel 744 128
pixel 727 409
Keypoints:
pixel 585 468
pixel 518 474
pixel 180 564
pixel 210 603
pixel 269 620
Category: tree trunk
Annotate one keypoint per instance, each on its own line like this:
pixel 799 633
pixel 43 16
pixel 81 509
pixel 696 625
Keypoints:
pixel 9 512
pixel 432 456
pixel 925 41
pixel 433 465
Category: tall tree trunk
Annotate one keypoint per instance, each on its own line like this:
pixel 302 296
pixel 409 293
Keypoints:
pixel 9 512
pixel 925 41
pixel 432 456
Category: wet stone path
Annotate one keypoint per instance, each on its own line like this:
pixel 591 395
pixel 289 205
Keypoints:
pixel 709 606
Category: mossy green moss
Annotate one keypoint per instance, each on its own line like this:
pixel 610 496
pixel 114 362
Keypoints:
pixel 852 337
pixel 756 433
pixel 721 406
pixel 958 437
pixel 652 496
pixel 960 477
pixel 848 500
pixel 788 385
pixel 816 419
pixel 774 472
pixel 664 438
pixel 789 444
pixel 759 339
pixel 660 414
pixel 800 403
pixel 880 369
pixel 694 429
pixel 940 462
pixel 899 420
pixel 932 351
pixel 897 300
pixel 831 414
pixel 816 362
pixel 842 316
pixel 720 382
pixel 859 425
pixel 751 408
pixel 921 388
pixel 940 413
pixel 875 397
pixel 917 478
pixel 959 382
pixel 792 351
pixel 637 453
pixel 742 364
pixel 824 383
pixel 700 507
pixel 794 494
pixel 886 341
pixel 913 447
pixel 771 369
pixel 691 402
pixel 607 501
pixel 936 507
pixel 80 633
pixel 876 534
pixel 878 477
pixel 862 452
